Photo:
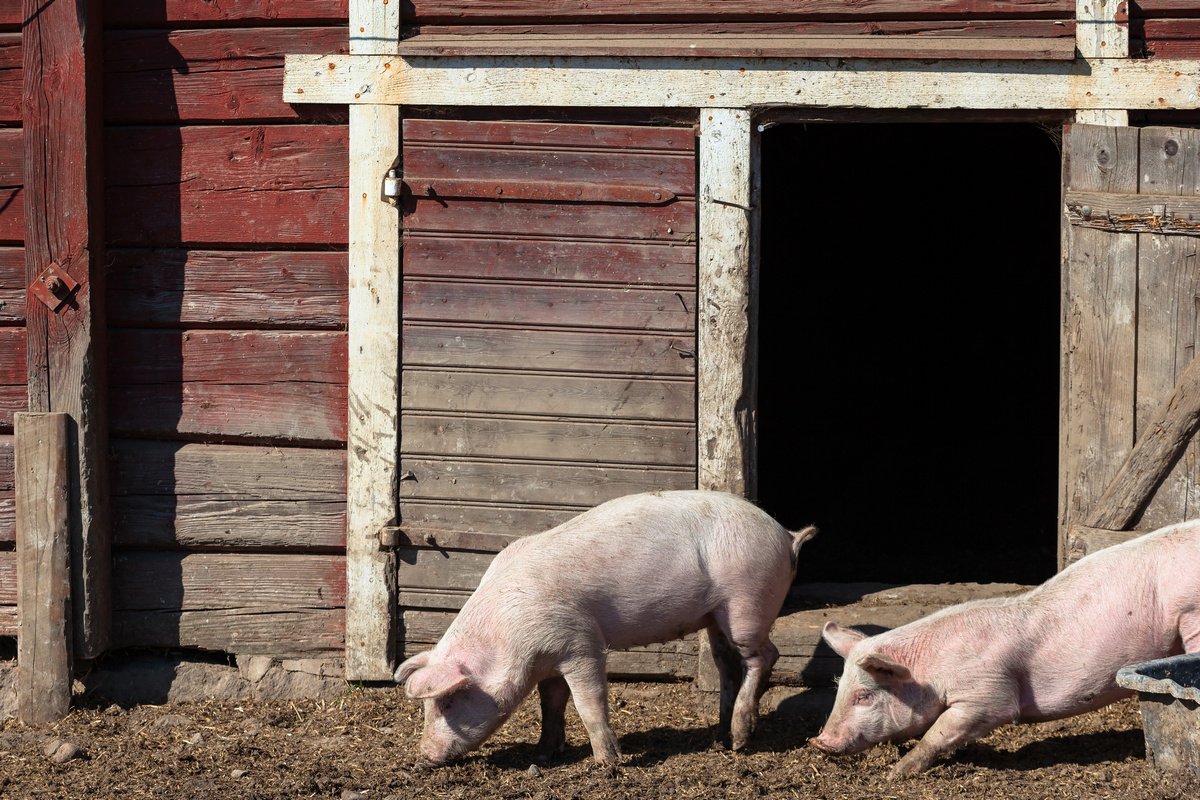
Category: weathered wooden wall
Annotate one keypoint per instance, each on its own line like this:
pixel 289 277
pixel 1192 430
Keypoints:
pixel 1165 29
pixel 12 298
pixel 226 231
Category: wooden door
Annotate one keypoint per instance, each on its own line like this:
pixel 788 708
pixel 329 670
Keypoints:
pixel 1131 283
pixel 548 338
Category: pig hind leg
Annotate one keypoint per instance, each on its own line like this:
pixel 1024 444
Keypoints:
pixel 589 689
pixel 729 670
pixel 553 694
pixel 748 634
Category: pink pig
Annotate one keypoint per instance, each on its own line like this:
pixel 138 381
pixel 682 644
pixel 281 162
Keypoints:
pixel 1049 653
pixel 639 569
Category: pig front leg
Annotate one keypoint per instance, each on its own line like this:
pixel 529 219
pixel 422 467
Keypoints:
pixel 589 689
pixel 957 726
pixel 553 693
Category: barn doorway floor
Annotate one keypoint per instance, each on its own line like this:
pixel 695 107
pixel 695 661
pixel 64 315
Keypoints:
pixel 909 351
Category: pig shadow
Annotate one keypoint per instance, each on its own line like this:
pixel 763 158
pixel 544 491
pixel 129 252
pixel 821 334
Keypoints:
pixel 1083 749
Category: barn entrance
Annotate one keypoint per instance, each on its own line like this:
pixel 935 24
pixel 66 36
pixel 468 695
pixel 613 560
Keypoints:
pixel 909 349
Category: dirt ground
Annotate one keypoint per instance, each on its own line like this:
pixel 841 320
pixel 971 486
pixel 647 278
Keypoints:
pixel 363 745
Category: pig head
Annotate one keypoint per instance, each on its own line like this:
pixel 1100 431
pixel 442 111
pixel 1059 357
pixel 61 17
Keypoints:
pixel 878 697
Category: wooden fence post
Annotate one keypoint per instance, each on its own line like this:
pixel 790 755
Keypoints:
pixel 43 567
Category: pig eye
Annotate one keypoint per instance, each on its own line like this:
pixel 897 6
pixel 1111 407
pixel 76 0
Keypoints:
pixel 863 697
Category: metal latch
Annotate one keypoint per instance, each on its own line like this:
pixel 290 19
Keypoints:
pixel 53 287
pixel 393 187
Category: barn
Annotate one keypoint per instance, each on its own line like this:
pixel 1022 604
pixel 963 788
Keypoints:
pixel 310 306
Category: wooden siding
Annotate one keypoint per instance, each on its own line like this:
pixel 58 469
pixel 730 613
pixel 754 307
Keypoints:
pixel 548 341
pixel 227 284
pixel 13 392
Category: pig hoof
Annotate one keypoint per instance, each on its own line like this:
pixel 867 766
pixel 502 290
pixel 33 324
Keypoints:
pixel 738 744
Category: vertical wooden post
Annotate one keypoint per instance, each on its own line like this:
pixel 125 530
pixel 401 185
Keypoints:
pixel 65 328
pixel 727 345
pixel 374 363
pixel 1100 34
pixel 43 567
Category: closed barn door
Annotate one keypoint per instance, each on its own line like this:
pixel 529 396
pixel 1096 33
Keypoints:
pixel 1131 399
pixel 548 338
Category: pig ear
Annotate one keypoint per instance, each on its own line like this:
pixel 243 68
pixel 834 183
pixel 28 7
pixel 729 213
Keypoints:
pixel 436 680
pixel 841 639
pixel 410 666
pixel 885 670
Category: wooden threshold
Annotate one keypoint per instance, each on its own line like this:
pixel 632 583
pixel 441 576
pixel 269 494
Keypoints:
pixel 739 45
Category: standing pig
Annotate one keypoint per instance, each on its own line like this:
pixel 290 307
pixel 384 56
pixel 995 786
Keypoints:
pixel 639 569
pixel 1049 653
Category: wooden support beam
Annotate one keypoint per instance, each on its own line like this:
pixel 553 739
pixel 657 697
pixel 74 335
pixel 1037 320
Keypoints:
pixel 372 498
pixel 66 349
pixel 703 82
pixel 1168 433
pixel 1102 31
pixel 1134 213
pixel 726 340
pixel 1083 541
pixel 43 567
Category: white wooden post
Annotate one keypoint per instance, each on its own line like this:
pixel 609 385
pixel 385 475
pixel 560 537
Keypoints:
pixel 374 362
pixel 726 337
pixel 1097 35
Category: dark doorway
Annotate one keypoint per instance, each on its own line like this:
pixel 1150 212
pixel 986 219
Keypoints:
pixel 909 349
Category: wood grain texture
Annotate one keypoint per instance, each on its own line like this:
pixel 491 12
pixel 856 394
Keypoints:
pixel 66 351
pixel 279 632
pixel 1171 38
pixel 256 185
pixel 478 392
pixel 13 396
pixel 549 350
pixel 257 384
pixel 12 182
pixel 153 13
pixel 11 80
pixel 650 43
pixel 1160 213
pixel 670 223
pixel 43 503
pixel 435 11
pixel 8 619
pixel 677 82
pixel 1168 285
pixel 901 28
pixel 12 285
pixel 221 75
pixel 374 381
pixel 188 288
pixel 168 495
pixel 8 580
pixel 725 335
pixel 8 520
pixel 1100 336
pixel 1083 541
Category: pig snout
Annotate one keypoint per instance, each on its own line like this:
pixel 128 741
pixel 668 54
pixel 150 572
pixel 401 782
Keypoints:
pixel 838 745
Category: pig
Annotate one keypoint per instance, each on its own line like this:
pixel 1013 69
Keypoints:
pixel 639 569
pixel 1052 652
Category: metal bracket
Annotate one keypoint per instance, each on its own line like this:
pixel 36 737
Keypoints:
pixel 54 287
pixel 393 187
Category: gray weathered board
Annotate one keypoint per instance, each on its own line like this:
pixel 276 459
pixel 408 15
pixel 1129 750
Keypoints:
pixel 1130 317
pixel 549 335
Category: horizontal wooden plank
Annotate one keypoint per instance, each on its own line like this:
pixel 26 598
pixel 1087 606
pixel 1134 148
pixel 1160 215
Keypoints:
pixel 677 82
pixel 434 11
pixel 1134 213
pixel 1083 541
pixel 154 13
pixel 226 581
pixel 171 495
pixel 12 285
pixel 673 222
pixel 257 630
pixel 636 308
pixel 260 185
pixel 8 578
pixel 11 81
pixel 8 620
pixel 509 392
pixel 432 496
pixel 487 528
pixel 574 440
pixel 12 216
pixel 601 138
pixel 537 43
pixel 1171 38
pixel 906 28
pixel 549 350
pixel 274 385
pixel 12 178
pixel 1164 8
pixel 211 287
pixel 221 75
pixel 13 394
pixel 503 169
pixel 623 263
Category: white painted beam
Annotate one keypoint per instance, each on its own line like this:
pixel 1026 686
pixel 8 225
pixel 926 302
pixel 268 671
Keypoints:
pixel 373 360
pixel 741 83
pixel 1098 34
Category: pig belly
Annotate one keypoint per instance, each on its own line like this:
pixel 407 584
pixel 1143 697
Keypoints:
pixel 651 629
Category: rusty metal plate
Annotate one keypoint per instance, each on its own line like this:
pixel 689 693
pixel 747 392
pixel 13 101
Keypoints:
pixel 54 287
